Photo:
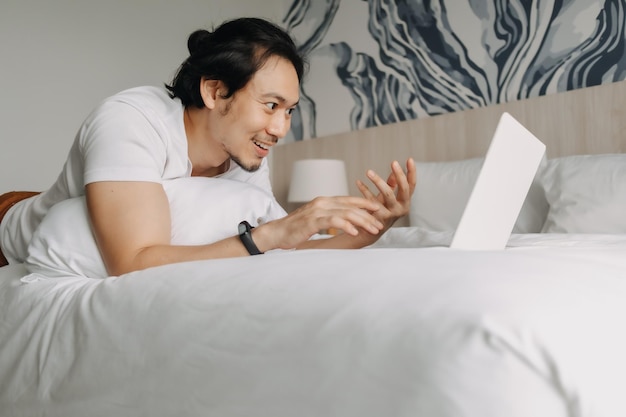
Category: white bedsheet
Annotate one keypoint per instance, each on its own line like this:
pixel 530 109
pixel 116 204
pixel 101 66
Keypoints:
pixel 535 330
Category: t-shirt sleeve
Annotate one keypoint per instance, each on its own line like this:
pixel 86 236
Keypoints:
pixel 120 144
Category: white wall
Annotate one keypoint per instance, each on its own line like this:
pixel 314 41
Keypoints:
pixel 59 58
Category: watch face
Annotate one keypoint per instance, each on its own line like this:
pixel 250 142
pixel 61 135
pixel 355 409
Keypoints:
pixel 242 228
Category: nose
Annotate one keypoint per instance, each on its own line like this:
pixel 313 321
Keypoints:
pixel 279 124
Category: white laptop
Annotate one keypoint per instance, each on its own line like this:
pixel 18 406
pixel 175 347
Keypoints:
pixel 496 200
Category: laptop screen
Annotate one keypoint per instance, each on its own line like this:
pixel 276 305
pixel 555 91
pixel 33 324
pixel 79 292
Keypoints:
pixel 510 165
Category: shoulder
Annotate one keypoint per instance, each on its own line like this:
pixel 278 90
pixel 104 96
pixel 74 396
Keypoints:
pixel 146 92
pixel 143 109
pixel 147 99
pixel 140 129
pixel 138 121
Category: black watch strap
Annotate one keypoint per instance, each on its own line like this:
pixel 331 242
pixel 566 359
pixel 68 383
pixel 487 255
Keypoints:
pixel 246 238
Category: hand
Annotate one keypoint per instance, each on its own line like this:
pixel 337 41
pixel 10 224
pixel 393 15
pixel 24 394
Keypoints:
pixel 394 195
pixel 352 215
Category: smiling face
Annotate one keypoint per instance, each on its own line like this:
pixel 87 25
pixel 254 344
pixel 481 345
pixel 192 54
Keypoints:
pixel 249 123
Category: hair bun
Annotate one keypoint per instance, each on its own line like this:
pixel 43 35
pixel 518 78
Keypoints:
pixel 198 41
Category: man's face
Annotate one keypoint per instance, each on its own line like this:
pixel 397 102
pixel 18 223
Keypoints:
pixel 253 120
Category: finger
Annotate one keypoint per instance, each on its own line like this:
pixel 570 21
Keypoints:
pixel 406 182
pixel 404 193
pixel 361 203
pixel 406 189
pixel 350 220
pixel 364 189
pixel 411 173
pixel 367 193
pixel 386 192
pixel 339 202
pixel 364 219
pixel 355 210
pixel 392 181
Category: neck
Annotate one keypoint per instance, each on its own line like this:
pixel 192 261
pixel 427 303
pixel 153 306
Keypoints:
pixel 210 172
pixel 206 156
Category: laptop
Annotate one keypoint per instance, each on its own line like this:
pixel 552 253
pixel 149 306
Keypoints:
pixel 510 165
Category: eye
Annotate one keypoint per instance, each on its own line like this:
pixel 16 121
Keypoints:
pixel 271 106
pixel 290 111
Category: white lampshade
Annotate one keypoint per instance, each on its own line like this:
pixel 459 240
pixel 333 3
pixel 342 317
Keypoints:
pixel 312 178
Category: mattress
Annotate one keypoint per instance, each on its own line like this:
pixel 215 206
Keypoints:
pixel 406 327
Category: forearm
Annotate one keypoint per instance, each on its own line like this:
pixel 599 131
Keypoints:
pixel 158 255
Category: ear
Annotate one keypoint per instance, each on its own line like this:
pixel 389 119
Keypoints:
pixel 210 92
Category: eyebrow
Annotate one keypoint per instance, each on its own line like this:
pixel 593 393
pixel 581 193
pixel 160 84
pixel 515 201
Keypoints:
pixel 279 98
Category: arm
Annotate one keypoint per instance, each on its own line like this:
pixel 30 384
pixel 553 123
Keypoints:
pixel 392 202
pixel 132 226
pixel 394 195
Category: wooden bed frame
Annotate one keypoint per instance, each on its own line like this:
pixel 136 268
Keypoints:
pixel 584 121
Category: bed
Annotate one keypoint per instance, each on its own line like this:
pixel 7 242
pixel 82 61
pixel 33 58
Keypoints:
pixel 406 327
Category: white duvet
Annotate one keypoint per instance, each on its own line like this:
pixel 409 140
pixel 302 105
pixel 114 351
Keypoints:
pixel 538 329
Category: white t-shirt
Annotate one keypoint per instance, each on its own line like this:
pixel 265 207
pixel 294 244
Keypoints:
pixel 135 135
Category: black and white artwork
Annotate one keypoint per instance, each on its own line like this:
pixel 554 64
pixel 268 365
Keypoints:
pixel 374 62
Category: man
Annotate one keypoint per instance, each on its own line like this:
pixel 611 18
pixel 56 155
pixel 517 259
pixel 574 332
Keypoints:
pixel 229 103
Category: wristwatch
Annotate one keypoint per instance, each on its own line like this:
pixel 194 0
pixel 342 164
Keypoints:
pixel 246 238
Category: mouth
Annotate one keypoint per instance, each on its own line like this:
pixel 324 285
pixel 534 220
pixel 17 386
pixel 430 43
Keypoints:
pixel 262 145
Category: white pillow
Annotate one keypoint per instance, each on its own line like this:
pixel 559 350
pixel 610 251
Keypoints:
pixel 203 210
pixel 586 193
pixel 443 189
pixel 63 244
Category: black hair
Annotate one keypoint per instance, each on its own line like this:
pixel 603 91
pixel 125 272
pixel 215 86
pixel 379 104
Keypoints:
pixel 232 53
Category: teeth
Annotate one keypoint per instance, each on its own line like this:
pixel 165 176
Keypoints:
pixel 260 145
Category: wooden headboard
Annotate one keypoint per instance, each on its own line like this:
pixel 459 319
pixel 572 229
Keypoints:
pixel 584 121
